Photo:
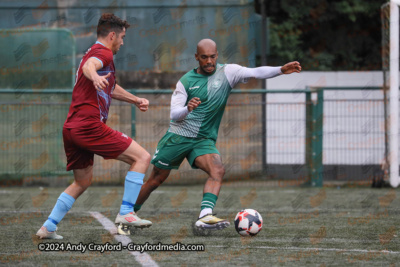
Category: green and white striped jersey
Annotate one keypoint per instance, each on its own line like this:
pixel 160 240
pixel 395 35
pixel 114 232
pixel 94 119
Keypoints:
pixel 213 91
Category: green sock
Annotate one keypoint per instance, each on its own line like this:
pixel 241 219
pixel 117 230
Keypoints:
pixel 137 207
pixel 208 201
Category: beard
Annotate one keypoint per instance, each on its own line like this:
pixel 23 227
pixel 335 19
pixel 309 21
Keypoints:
pixel 212 66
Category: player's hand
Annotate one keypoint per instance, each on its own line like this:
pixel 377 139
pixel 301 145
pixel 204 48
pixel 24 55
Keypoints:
pixel 193 103
pixel 291 67
pixel 142 104
pixel 100 82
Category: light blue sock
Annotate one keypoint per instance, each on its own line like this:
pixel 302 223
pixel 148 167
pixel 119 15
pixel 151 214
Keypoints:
pixel 133 184
pixel 63 205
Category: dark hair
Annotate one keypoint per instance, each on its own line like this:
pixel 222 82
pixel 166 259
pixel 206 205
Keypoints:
pixel 108 22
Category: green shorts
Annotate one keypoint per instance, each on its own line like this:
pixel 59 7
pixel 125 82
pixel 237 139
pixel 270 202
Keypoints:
pixel 173 149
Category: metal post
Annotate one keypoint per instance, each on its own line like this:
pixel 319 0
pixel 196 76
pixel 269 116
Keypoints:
pixel 394 93
pixel 133 119
pixel 264 86
pixel 317 166
pixel 309 133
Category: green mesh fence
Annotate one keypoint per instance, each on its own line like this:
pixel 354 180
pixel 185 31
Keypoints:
pixel 336 135
pixel 37 58
pixel 32 147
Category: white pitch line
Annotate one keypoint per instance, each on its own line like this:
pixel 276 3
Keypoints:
pixel 321 249
pixel 143 258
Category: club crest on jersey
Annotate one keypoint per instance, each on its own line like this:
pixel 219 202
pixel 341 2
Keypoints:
pixel 216 84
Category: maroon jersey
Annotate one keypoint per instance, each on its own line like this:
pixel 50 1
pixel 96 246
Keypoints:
pixel 89 105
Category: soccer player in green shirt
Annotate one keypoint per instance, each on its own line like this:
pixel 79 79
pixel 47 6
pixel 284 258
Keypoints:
pixel 197 106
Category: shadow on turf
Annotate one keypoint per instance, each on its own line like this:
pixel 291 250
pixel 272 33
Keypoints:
pixel 200 231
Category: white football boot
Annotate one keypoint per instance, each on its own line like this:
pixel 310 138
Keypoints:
pixel 125 222
pixel 44 234
pixel 209 221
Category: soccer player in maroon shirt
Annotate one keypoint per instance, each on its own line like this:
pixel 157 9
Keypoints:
pixel 85 132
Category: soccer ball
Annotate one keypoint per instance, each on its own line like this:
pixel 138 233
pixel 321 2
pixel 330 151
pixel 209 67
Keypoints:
pixel 248 222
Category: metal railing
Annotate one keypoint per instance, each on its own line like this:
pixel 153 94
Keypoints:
pixel 313 135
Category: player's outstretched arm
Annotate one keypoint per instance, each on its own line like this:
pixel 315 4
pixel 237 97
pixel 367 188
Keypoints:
pixel 291 67
pixel 90 69
pixel 121 94
pixel 236 73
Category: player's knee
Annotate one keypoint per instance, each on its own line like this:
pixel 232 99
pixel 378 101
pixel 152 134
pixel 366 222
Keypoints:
pixel 218 173
pixel 221 172
pixel 145 158
pixel 148 158
pixel 87 183
pixel 84 184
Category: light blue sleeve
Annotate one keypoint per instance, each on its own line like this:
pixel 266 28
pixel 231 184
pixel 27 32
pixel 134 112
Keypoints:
pixel 98 60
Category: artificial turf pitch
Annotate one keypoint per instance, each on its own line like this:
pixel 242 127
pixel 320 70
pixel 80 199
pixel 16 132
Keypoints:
pixel 302 227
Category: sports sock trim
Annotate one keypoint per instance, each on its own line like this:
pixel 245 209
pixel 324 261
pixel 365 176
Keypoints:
pixel 52 220
pixel 137 207
pixel 126 203
pixel 209 201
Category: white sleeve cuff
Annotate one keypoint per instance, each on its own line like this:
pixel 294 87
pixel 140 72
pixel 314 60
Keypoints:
pixel 178 114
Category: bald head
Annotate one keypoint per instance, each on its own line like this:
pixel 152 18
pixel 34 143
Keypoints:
pixel 206 44
pixel 207 56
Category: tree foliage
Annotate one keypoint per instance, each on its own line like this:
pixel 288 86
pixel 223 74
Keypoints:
pixel 325 34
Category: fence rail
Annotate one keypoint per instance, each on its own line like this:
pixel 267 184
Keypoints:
pixel 313 135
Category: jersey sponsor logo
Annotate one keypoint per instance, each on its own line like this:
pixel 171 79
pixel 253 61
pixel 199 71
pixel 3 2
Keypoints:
pixel 194 87
pixel 162 163
pixel 124 135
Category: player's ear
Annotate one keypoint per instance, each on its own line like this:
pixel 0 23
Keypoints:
pixel 196 56
pixel 112 35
